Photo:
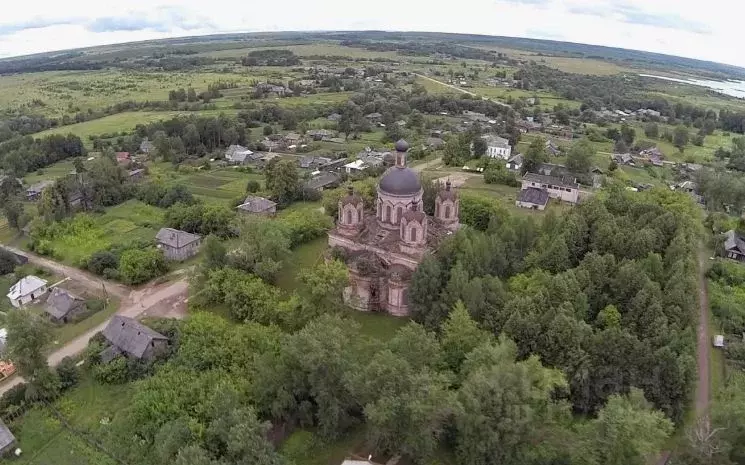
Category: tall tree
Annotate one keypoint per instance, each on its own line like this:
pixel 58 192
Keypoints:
pixel 535 155
pixel 579 158
pixel 282 181
pixel 28 337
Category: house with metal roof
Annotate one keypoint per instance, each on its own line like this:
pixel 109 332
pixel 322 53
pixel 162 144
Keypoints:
pixel 497 147
pixel 7 440
pixel 564 188
pixel 63 306
pixel 237 154
pixel 178 245
pixel 258 206
pixel 131 338
pixel 734 246
pixel 532 197
pixel 325 180
pixel 26 290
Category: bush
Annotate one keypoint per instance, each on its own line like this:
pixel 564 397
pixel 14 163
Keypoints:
pixel 500 175
pixel 13 400
pixel 96 345
pixel 137 266
pixel 252 186
pixel 114 372
pixel 102 260
pixel 68 373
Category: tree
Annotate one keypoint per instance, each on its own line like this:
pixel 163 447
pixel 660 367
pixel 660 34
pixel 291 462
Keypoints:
pixel 28 337
pixel 628 134
pixel 263 246
pixel 506 406
pixel 651 130
pixel 13 210
pixel 325 285
pixel 479 147
pixel 460 335
pixel 680 137
pixel 79 165
pixel 627 431
pixel 137 266
pixel 268 130
pixel 535 155
pixel 579 158
pixel 424 292
pixel 191 95
pixel 282 181
pixel 215 253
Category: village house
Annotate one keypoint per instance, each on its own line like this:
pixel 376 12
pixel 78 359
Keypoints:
pixel 434 143
pixel 146 146
pixel 734 246
pixel 237 154
pixel 533 197
pixel 7 440
pixel 565 188
pixel 132 339
pixel 122 157
pixel 515 163
pixel 374 117
pixel 355 167
pixel 384 247
pixel 497 147
pixel 623 159
pixel 34 192
pixel 26 290
pixel 335 165
pixel 321 134
pixel 63 306
pixel 258 206
pixel 178 245
pixel 552 148
pixel 654 155
pixel 324 180
pixel 313 163
pixel 292 138
pixel 271 89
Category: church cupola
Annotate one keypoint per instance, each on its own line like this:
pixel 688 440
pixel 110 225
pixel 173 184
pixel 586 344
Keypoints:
pixel 447 207
pixel 401 148
pixel 351 211
pixel 414 227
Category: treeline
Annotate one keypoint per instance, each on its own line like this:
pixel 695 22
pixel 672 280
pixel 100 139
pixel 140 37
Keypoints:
pixel 427 49
pixel 21 155
pixel 271 57
pixel 615 278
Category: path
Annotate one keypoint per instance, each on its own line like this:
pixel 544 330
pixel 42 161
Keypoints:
pixel 157 299
pixel 459 89
pixel 94 283
pixel 704 373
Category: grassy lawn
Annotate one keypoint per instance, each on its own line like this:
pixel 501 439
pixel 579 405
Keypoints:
pixel 303 257
pixel 584 66
pixel 43 439
pixel 507 196
pixel 122 224
pixel 213 186
pixel 305 448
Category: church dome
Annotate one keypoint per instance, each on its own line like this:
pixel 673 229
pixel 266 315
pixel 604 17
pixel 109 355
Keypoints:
pixel 400 181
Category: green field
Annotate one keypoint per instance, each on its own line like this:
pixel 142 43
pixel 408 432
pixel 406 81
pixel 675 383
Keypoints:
pixel 89 233
pixel 320 49
pixel 220 185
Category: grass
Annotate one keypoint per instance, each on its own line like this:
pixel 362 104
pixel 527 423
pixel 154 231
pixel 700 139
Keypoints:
pixel 584 66
pixel 122 224
pixel 303 447
pixel 303 257
pixel 43 439
pixel 507 196
pixel 217 186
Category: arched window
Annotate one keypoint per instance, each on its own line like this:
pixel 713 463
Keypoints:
pixel 349 216
pixel 413 234
pixel 398 214
pixel 447 212
pixel 359 216
pixel 380 210
pixel 437 208
pixel 388 213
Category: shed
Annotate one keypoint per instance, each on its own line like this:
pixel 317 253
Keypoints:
pixel 62 305
pixel 719 340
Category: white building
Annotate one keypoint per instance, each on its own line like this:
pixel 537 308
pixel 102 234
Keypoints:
pixel 565 189
pixel 355 167
pixel 26 290
pixel 497 147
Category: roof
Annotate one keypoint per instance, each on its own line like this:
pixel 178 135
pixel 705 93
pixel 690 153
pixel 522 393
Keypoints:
pixel 517 159
pixel 121 156
pixel 533 195
pixel 447 193
pixel 434 142
pixel 237 153
pixel 356 165
pixel 256 204
pixel 734 241
pixel 25 287
pixel 551 180
pixel 39 186
pixel 415 215
pixel 400 181
pixel 6 437
pixel 60 302
pixel 175 238
pixel 322 180
pixel 496 141
pixel 130 336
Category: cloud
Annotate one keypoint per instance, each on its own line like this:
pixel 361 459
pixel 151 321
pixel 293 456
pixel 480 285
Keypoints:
pixel 162 19
pixel 633 14
pixel 35 23
pixel 545 34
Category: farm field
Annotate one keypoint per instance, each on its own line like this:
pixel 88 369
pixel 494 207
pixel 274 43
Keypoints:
pixel 307 50
pixel 583 65
pixel 219 185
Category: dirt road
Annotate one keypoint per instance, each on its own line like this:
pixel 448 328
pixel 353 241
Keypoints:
pixel 459 89
pixel 94 283
pixel 704 373
pixel 157 300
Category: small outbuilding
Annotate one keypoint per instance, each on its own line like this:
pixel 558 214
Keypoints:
pixel 7 440
pixel 719 341
pixel 533 197
pixel 63 306
pixel 258 206
pixel 26 290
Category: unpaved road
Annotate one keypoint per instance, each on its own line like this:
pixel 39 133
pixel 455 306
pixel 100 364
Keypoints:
pixel 94 283
pixel 459 89
pixel 704 373
pixel 166 300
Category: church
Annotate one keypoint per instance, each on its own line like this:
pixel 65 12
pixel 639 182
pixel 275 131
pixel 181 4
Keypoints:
pixel 382 248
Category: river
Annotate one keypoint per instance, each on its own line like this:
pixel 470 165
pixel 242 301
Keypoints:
pixel 731 88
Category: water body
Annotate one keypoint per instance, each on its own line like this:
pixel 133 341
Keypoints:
pixel 731 88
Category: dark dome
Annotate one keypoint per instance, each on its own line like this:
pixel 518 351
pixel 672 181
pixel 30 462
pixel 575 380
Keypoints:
pixel 400 181
pixel 402 146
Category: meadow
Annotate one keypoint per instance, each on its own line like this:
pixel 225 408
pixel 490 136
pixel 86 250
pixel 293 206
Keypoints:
pixel 220 185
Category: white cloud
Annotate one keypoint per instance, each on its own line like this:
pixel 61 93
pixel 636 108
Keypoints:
pixel 679 27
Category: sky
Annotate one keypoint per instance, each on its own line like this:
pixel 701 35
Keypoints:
pixel 708 30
